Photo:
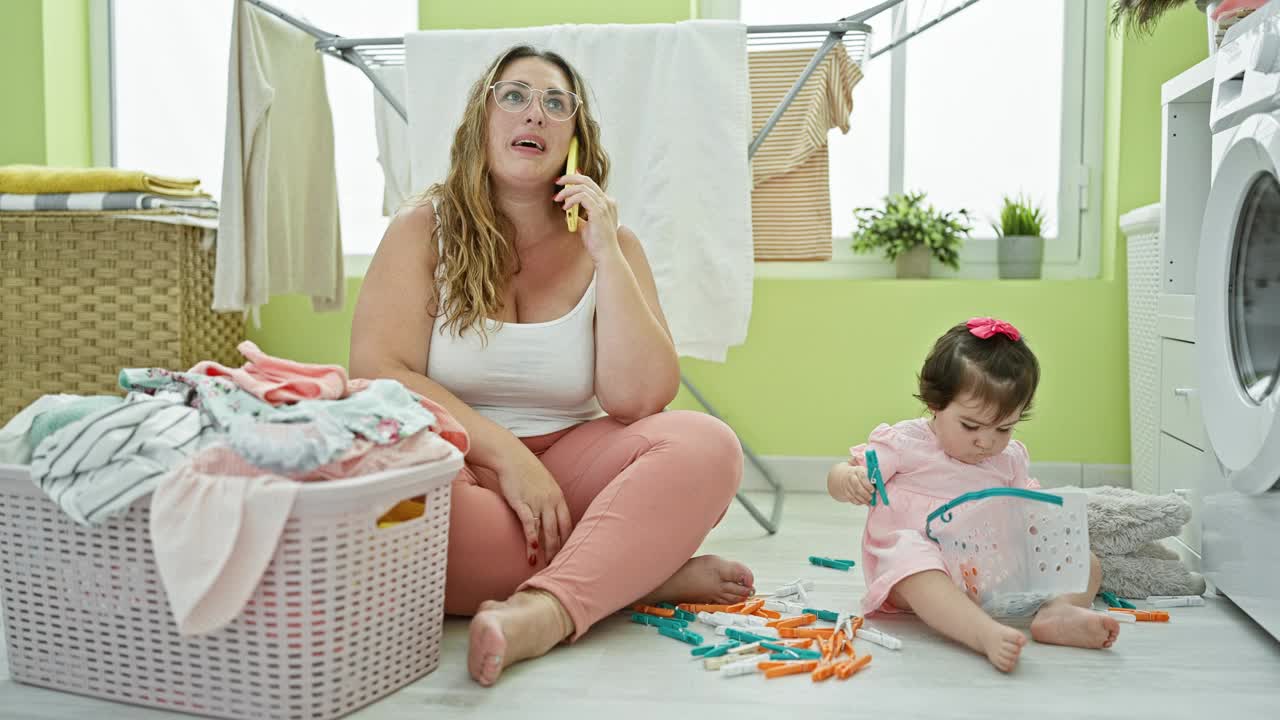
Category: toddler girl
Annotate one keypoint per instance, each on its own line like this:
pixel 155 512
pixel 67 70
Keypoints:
pixel 977 384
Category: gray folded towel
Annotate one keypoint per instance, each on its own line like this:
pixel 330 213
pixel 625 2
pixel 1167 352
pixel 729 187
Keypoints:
pixel 1149 572
pixel 1124 529
pixel 1122 520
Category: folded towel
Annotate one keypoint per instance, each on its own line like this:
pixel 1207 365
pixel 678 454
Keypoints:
pixel 1122 520
pixel 1138 575
pixel 99 201
pixel 31 179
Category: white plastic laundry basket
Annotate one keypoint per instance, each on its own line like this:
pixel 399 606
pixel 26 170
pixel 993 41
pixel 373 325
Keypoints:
pixel 1011 549
pixel 345 613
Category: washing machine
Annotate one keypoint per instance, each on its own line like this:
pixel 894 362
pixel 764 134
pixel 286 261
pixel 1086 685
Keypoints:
pixel 1238 323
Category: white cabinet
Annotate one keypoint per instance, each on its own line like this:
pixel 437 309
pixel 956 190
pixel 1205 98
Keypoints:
pixel 1180 468
pixel 1179 395
pixel 1186 170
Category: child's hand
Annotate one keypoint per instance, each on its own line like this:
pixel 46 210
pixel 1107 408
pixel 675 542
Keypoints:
pixel 849 483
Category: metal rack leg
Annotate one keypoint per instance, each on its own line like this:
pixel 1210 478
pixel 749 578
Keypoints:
pixel 771 523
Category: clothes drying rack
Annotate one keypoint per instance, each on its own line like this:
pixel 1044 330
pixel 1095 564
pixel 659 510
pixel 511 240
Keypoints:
pixel 853 32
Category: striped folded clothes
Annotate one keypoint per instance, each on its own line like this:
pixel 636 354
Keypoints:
pixel 98 201
pixel 30 179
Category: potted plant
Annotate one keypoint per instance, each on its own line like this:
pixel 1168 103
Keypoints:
pixel 1021 244
pixel 910 232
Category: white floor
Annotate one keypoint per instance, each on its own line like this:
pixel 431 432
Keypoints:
pixel 1208 661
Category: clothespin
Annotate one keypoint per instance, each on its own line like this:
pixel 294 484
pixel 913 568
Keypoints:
pixel 1115 601
pixel 1143 615
pixel 827 615
pixel 877 480
pixel 846 669
pixel 1168 601
pixel 844 565
pixel 686 636
pixel 879 638
pixel 799 621
pixel 649 610
pixel 655 621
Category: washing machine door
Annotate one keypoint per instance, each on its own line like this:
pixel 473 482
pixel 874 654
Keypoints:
pixel 1238 307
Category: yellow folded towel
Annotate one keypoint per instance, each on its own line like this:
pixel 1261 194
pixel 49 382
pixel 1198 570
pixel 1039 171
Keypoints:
pixel 32 179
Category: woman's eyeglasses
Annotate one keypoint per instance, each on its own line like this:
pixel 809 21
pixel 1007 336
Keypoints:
pixel 515 96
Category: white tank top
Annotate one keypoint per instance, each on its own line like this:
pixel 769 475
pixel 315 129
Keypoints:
pixel 530 378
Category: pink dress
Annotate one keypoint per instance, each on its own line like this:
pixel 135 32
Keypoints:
pixel 919 477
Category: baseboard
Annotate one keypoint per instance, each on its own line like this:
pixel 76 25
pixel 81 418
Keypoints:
pixel 808 473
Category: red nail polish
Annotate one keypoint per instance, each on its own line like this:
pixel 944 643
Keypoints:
pixel 532 561
pixel 534 545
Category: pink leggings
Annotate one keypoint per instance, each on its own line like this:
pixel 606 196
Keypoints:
pixel 642 496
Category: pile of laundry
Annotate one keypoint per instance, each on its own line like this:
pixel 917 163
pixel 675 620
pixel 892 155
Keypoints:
pixel 1125 530
pixel 222 452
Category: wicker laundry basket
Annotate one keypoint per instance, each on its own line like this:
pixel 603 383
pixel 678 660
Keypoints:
pixel 84 294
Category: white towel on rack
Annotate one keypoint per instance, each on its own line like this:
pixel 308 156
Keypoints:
pixel 278 230
pixel 393 140
pixel 674 112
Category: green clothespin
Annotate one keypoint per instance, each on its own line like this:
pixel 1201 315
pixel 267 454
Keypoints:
pixel 655 621
pixel 877 480
pixel 685 615
pixel 829 563
pixel 692 638
pixel 827 615
pixel 743 636
pixel 669 606
pixel 714 650
pixel 1113 600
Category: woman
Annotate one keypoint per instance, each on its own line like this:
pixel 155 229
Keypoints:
pixel 580 496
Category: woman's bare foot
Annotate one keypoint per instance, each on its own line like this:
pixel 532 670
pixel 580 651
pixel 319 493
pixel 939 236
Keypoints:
pixel 1062 623
pixel 526 625
pixel 1002 645
pixel 706 579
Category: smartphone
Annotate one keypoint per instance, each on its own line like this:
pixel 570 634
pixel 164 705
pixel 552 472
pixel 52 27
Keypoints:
pixel 571 166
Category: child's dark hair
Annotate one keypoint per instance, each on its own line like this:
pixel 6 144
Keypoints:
pixel 998 371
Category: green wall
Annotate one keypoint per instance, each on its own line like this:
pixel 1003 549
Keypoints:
pixel 22 82
pixel 68 115
pixel 44 53
pixel 828 359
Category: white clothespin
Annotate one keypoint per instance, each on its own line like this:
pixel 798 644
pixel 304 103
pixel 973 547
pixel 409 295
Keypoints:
pixel 718 619
pixel 1168 601
pixel 761 631
pixel 879 638
pixel 738 669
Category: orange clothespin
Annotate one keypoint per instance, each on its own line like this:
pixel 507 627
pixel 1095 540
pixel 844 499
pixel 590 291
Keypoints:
pixel 736 608
pixel 794 622
pixel 752 608
pixel 1144 615
pixel 771 614
pixel 846 669
pixel 804 632
pixel 648 610
pixel 837 645
pixel 791 668
pixel 824 672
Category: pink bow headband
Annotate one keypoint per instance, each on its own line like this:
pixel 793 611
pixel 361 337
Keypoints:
pixel 985 327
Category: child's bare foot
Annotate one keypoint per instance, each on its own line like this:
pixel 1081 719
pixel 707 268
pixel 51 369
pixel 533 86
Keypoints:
pixel 526 625
pixel 706 579
pixel 1062 623
pixel 1003 645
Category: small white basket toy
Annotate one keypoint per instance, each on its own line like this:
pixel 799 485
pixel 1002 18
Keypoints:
pixel 1011 549
pixel 345 613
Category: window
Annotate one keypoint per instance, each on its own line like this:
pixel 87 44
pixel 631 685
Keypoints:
pixel 1003 97
pixel 170 92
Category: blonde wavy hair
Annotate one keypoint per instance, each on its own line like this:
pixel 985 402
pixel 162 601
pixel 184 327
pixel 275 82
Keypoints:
pixel 477 257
